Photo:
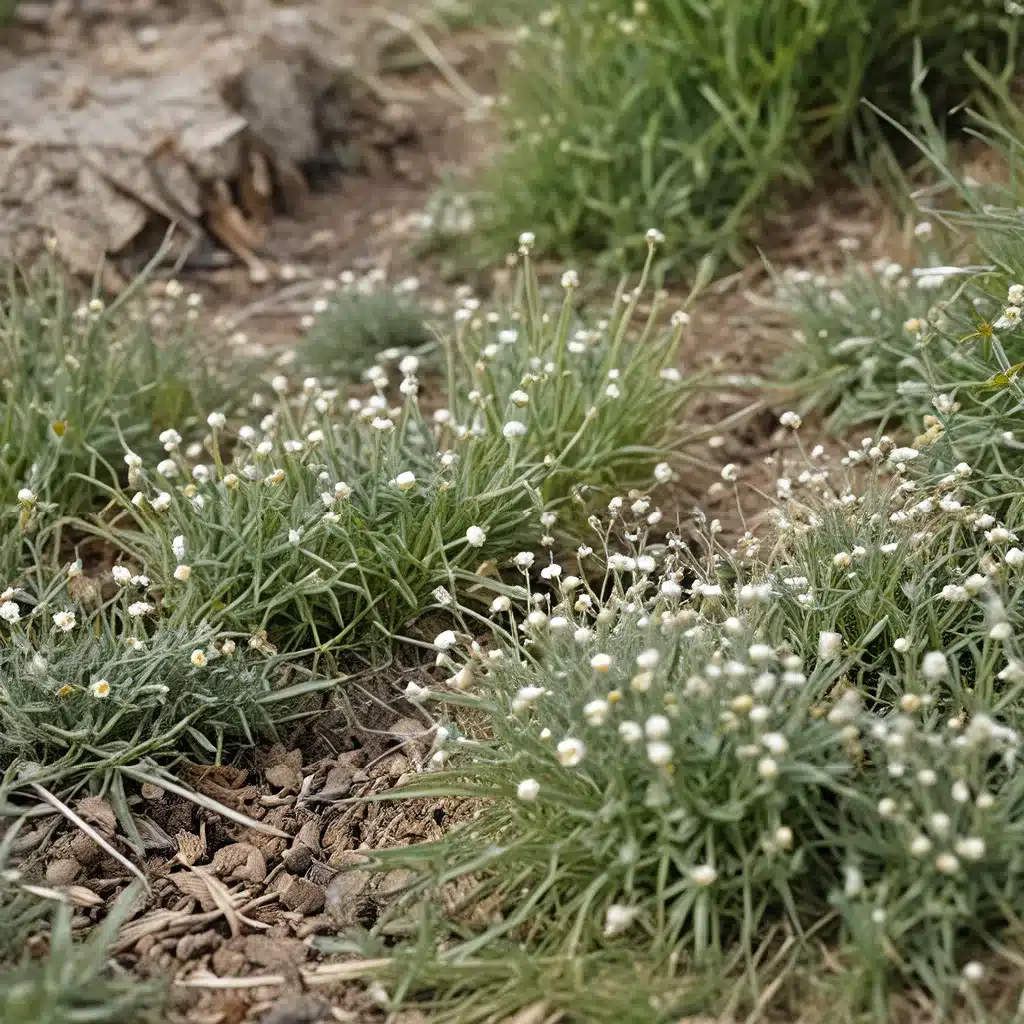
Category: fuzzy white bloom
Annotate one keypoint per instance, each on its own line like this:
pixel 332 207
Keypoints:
pixel 513 429
pixel 198 658
pixel 570 751
pixel 216 420
pixel 659 754
pixel 294 537
pixel 601 663
pixel 64 621
pixel 973 971
pixel 133 461
pixel 791 419
pixel 162 502
pixel 476 537
pixel 648 659
pixel 617 919
pixel 446 640
pixel 934 666
pixel 903 454
pixel 100 688
pixel 663 472
pixel 630 732
pixel 9 611
pixel 551 572
pixel 500 604
pixel 524 559
pixel 829 645
pixel 405 481
pixel 527 790
pixel 729 473
pixel 596 711
pixel 182 573
pixel 704 875
pixel 167 468
pixel 139 608
pixel 26 496
pixel 122 576
pixel 170 439
pixel 657 727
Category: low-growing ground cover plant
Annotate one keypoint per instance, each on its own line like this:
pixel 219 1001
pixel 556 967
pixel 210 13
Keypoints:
pixel 686 745
pixel 80 378
pixel 88 693
pixel 695 116
pixel 337 519
pixel 355 325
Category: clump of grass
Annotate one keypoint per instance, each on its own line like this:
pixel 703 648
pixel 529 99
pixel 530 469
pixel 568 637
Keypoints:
pixel 82 377
pixel 686 745
pixel 357 325
pixel 87 692
pixel 73 982
pixel 336 522
pixel 694 117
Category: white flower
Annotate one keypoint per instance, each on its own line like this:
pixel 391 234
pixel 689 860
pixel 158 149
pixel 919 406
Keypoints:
pixel 970 848
pixel 476 537
pixel 100 688
pixel 972 970
pixel 216 420
pixel 64 621
pixel 519 398
pixel 631 732
pixel 657 727
pixel 182 573
pixel 570 279
pixel 901 645
pixel 527 790
pixel 198 658
pixel 999 535
pixel 903 454
pixel 551 572
pixel 791 420
pixel 704 875
pixel 178 546
pixel 648 659
pixel 617 919
pixel 122 577
pixel 654 236
pixel 596 711
pixel 513 429
pixel 446 640
pixel 570 751
pixel 601 663
pixel 139 608
pixel 405 481
pixel 26 496
pixel 508 336
pixel 934 666
pixel 9 611
pixel 133 461
pixel 659 754
pixel 729 472
pixel 294 537
pixel 524 559
pixel 663 472
pixel 162 502
pixel 829 645
pixel 500 604
pixel 170 439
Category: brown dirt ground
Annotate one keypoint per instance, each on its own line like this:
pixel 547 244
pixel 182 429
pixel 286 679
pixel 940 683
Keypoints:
pixel 232 910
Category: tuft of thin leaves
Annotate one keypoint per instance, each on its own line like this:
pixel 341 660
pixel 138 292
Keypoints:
pixel 84 693
pixel 73 982
pixel 357 326
pixel 695 116
pixel 335 523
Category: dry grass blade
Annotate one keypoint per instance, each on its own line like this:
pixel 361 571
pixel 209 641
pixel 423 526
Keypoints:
pixel 95 836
